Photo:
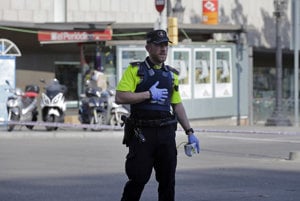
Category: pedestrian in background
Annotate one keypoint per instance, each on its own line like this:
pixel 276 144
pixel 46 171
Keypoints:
pixel 151 88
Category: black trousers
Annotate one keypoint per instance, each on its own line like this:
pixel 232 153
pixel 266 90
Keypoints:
pixel 158 152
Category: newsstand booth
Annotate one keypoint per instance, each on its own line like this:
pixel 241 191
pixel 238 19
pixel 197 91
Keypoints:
pixel 89 45
pixel 213 76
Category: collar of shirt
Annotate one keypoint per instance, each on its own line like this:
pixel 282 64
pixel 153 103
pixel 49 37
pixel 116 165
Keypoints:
pixel 152 65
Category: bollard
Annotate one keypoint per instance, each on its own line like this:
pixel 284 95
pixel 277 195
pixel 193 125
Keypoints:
pixel 294 155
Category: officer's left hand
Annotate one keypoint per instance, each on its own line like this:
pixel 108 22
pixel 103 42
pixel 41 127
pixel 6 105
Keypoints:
pixel 193 139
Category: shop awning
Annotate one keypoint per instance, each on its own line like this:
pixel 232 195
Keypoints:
pixel 25 34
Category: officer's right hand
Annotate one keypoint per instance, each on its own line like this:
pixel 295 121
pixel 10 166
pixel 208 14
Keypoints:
pixel 158 94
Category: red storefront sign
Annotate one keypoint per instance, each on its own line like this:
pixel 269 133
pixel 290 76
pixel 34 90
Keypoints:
pixel 210 12
pixel 74 36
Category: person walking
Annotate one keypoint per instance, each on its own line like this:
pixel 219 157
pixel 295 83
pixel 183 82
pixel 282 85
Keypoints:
pixel 151 88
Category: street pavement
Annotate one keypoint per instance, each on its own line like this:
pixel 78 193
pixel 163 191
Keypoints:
pixel 235 164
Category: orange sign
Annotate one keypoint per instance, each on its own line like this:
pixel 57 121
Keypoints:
pixel 76 36
pixel 210 12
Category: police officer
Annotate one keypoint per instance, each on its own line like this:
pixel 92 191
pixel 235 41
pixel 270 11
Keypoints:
pixel 151 88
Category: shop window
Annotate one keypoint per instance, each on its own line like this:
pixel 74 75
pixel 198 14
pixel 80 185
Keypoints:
pixel 128 55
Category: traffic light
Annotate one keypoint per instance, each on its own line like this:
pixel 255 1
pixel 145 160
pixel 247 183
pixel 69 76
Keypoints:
pixel 173 30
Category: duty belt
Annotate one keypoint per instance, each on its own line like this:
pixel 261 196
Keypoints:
pixel 152 122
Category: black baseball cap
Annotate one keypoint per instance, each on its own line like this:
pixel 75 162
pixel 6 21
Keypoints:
pixel 157 37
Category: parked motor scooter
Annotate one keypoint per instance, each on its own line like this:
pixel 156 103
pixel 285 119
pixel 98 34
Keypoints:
pixel 53 104
pixel 115 110
pixel 22 106
pixel 93 106
pixel 98 106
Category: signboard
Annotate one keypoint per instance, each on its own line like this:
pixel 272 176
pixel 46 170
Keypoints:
pixel 223 73
pixel 74 36
pixel 181 60
pixel 203 73
pixel 8 53
pixel 7 65
pixel 210 12
pixel 160 5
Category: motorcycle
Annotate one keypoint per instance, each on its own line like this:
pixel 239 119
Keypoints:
pixel 93 107
pixel 53 104
pixel 22 106
pixel 99 107
pixel 116 110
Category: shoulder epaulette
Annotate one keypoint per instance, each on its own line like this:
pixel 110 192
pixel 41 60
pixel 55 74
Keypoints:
pixel 135 63
pixel 140 70
pixel 174 70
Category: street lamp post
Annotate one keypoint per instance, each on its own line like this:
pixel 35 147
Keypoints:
pixel 277 118
pixel 178 11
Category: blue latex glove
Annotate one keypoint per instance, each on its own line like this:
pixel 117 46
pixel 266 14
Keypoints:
pixel 193 139
pixel 158 94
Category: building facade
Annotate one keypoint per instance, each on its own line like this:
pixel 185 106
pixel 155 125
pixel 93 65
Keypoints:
pixel 256 17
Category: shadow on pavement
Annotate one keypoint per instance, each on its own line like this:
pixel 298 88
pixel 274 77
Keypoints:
pixel 224 184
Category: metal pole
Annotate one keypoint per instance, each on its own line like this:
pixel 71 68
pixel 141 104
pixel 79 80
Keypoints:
pixel 250 85
pixel 160 20
pixel 66 11
pixel 278 102
pixel 277 118
pixel 239 56
pixel 296 6
pixel 238 95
